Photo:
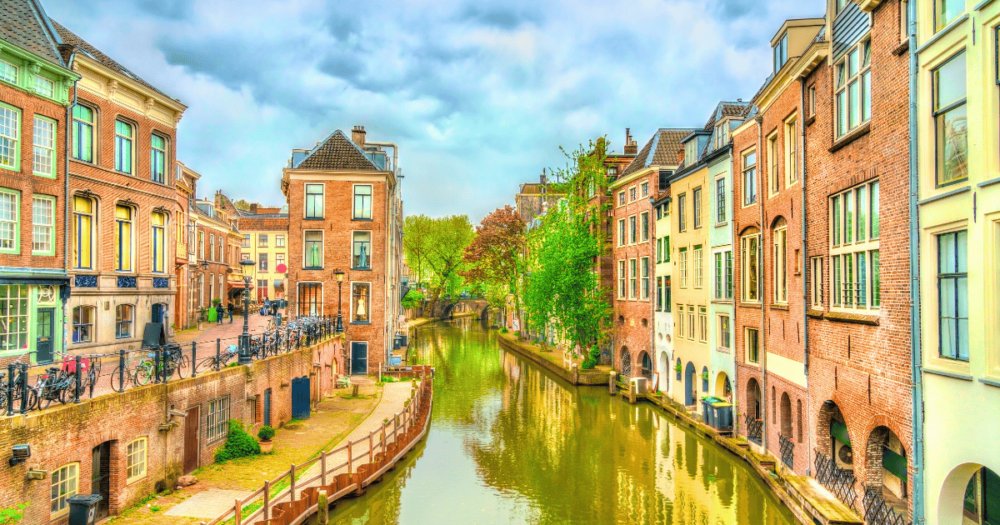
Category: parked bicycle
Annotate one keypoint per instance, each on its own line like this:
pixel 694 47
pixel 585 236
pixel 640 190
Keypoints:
pixel 20 373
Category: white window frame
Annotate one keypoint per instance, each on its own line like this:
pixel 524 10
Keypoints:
pixel 703 324
pixel 69 475
pixel 644 226
pixel 621 232
pixel 10 137
pixel 696 205
pixel 306 200
pixel 779 264
pixel 43 227
pixel 136 456
pixel 14 304
pixel 791 163
pixel 305 255
pixel 684 266
pixel 699 267
pixel 746 259
pixel 746 346
pixel 691 325
pixel 8 72
pixel 844 262
pixel 751 193
pixel 725 339
pixel 816 282
pixel 622 279
pixel 44 86
pixel 644 273
pixel 844 85
pixel 217 419
pixel 682 212
pixel 43 162
pixel 10 221
pixel 633 278
pixel 721 213
pixel 371 292
pixel 772 164
pixel 354 200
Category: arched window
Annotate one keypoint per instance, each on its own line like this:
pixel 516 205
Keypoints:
pixel 704 379
pixel 83 324
pixel 64 486
pixel 84 215
pixel 124 314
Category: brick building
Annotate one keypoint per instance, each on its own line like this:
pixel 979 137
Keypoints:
pixel 123 149
pixel 217 275
pixel 35 82
pixel 264 233
pixel 345 214
pixel 185 261
pixel 533 199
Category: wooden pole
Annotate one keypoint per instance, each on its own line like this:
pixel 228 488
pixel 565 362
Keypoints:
pixel 350 458
pixel 236 509
pixel 371 445
pixel 267 500
pixel 322 468
pixel 291 476
pixel 323 508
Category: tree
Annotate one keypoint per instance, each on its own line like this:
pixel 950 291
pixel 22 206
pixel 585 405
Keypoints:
pixel 495 257
pixel 434 248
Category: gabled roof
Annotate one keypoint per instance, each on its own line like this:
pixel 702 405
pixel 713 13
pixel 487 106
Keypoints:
pixel 727 109
pixel 337 152
pixel 26 25
pixel 663 149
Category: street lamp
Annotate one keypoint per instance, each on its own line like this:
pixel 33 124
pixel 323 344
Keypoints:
pixel 340 284
pixel 246 266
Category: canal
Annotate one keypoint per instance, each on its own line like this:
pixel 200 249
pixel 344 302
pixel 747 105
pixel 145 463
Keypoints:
pixel 510 443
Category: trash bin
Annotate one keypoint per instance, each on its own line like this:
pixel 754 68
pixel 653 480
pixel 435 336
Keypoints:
pixel 83 508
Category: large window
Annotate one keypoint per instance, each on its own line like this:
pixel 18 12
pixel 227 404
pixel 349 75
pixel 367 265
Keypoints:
pixel 696 206
pixel 8 72
pixel 159 222
pixel 314 201
pixel 724 275
pixel 64 486
pixel 680 320
pixel 752 345
pixel 779 254
pixel 621 232
pixel 279 241
pixel 621 279
pixel 310 298
pixel 720 200
pixel 43 223
pixel 123 320
pixel 83 324
pixel 945 11
pixel 750 259
pixel 123 238
pixel 684 267
pixel 83 133
pixel 123 147
pixel 10 126
pixel 950 123
pixel 262 240
pixel 644 276
pixel 361 255
pixel 44 152
pixel 45 87
pixel 681 212
pixel 953 295
pixel 791 165
pixel 854 89
pixel 703 324
pixel 633 278
pixel 816 282
pixel 313 250
pixel 633 230
pixel 690 321
pixel 10 223
pixel 83 233
pixel 262 262
pixel 725 333
pixel 135 460
pixel 361 302
pixel 659 294
pixel 772 164
pixel 699 274
pixel 362 201
pixel 13 317
pixel 781 52
pixel 217 419
pixel 201 245
pixel 854 254
pixel 158 159
pixel 644 224
pixel 749 178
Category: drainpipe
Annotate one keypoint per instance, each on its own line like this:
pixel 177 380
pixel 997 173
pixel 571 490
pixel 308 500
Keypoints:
pixel 763 296
pixel 806 269
pixel 67 246
pixel 916 355
pixel 390 231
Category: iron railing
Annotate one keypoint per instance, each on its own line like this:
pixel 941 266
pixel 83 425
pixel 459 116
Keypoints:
pixel 755 429
pixel 787 449
pixel 837 480
pixel 878 512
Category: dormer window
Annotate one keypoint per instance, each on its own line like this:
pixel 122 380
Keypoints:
pixel 691 152
pixel 722 134
pixel 781 52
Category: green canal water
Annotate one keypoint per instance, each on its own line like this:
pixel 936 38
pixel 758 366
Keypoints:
pixel 510 443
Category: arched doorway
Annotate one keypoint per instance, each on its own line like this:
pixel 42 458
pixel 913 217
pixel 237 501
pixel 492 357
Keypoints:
pixel 625 361
pixel 661 366
pixel 723 388
pixel 834 459
pixel 886 472
pixel 786 443
pixel 786 415
pixel 753 422
pixel 970 495
pixel 646 366
pixel 690 385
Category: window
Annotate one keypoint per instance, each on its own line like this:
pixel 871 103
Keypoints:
pixel 724 275
pixel 83 324
pixel 781 52
pixel 279 259
pixel 621 198
pixel 279 241
pixel 699 276
pixel 659 250
pixel 725 333
pixel 816 282
pixel 684 267
pixel 159 222
pixel 13 317
pixel 664 177
pixel 135 460
pixel 621 232
pixel 362 251
pixel 310 298
pixel 211 246
pixel 666 249
pixel 645 277
pixel 262 262
pixel 812 100
pixel 123 321
pixel 313 250
pixel 632 195
pixel 722 134
pixel 749 178
pixel 362 201
pixel 83 233
pixel 680 320
pixel 360 302
pixel 854 90
pixel 83 133
pixel 779 253
pixel 64 486
pixel 44 86
pixel 621 279
pixel 645 189
pixel 201 245
pixel 666 294
pixel 262 240
pixel 791 172
pixel 854 256
pixel 644 219
pixel 633 279
pixel 681 212
pixel 950 124
pixel 217 419
pixel 772 163
pixel 750 255
pixel 945 11
pixel 123 147
pixel 10 230
pixel 691 153
pixel 158 158
pixel 659 294
pixel 314 201
pixel 953 296
pixel 720 200
pixel 703 324
pixel 10 150
pixel 123 238
pixel 753 345
pixel 633 230
pixel 44 154
pixel 43 220
pixel 696 205
pixel 8 72
pixel 690 322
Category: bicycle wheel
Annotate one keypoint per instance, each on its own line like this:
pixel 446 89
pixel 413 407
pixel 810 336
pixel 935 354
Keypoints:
pixel 44 396
pixel 182 365
pixel 32 398
pixel 143 373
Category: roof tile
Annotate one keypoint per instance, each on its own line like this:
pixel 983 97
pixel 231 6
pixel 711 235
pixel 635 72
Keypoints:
pixel 338 153
pixel 24 26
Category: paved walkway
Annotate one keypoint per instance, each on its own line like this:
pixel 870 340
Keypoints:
pixel 226 330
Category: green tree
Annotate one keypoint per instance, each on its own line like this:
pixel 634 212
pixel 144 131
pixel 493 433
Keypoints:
pixel 495 258
pixel 434 252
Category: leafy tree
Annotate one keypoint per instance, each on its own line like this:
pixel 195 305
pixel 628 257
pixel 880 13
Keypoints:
pixel 434 249
pixel 413 299
pixel 495 257
pixel 244 205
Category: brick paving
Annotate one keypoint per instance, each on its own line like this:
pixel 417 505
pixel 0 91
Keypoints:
pixel 226 330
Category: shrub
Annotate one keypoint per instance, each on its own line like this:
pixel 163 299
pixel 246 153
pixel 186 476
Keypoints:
pixel 389 379
pixel 266 433
pixel 238 444
pixel 593 358
pixel 503 330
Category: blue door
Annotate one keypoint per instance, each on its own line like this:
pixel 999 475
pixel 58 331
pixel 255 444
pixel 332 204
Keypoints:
pixel 267 407
pixel 359 358
pixel 157 312
pixel 300 398
pixel 689 385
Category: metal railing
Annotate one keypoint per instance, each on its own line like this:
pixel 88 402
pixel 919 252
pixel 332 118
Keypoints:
pixel 878 512
pixel 755 429
pixel 837 480
pixel 787 449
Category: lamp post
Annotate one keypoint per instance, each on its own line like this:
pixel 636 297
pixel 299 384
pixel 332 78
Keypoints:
pixel 246 265
pixel 340 284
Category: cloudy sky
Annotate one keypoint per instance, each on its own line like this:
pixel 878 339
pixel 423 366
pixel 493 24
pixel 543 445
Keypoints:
pixel 479 94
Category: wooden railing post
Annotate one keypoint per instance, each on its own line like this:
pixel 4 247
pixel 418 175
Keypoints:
pixel 383 442
pixel 291 476
pixel 322 468
pixel 237 511
pixel 350 458
pixel 371 445
pixel 267 500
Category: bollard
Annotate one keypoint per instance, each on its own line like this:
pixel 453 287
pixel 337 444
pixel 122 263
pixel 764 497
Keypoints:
pixel 218 354
pixel 76 389
pixel 631 393
pixel 611 383
pixel 322 468
pixel 157 364
pixel 350 459
pixel 121 370
pixel 10 389
pixel 324 508
pixel 291 476
pixel 24 388
pixel 267 500
pixel 576 374
pixel 194 358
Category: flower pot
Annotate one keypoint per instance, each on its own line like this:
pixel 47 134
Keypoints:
pixel 266 446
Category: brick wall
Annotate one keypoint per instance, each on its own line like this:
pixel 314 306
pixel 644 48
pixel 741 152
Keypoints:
pixel 633 318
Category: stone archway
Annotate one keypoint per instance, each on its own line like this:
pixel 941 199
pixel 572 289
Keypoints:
pixel 970 494
pixel 753 421
pixel 886 474
pixel 662 366
pixel 834 455
pixel 786 415
pixel 645 366
pixel 625 362
pixel 723 388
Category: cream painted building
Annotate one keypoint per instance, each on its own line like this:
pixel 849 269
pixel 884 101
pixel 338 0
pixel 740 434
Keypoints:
pixel 663 310
pixel 265 242
pixel 958 170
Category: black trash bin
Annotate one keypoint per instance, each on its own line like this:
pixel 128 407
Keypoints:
pixel 83 509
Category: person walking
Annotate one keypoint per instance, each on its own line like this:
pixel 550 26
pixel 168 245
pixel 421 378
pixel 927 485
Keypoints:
pixel 229 308
pixel 220 313
pixel 267 307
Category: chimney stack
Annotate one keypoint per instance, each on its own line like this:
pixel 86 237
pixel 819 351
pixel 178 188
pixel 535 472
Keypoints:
pixel 543 179
pixel 358 136
pixel 631 146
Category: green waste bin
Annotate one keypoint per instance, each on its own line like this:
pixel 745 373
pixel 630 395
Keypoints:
pixel 213 315
pixel 83 509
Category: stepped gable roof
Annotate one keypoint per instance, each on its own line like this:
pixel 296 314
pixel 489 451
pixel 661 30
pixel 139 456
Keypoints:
pixel 663 149
pixel 26 25
pixel 338 152
pixel 81 45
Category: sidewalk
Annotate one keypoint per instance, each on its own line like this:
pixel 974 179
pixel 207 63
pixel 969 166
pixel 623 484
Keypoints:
pixel 226 330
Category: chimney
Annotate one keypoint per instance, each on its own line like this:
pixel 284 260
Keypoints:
pixel 631 147
pixel 680 156
pixel 253 207
pixel 358 136
pixel 542 178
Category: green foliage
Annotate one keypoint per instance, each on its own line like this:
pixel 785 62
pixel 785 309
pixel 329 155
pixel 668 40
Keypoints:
pixel 413 299
pixel 216 301
pixel 238 444
pixel 434 251
pixel 495 257
pixel 677 367
pixel 593 358
pixel 13 514
pixel 503 330
pixel 389 379
pixel 266 433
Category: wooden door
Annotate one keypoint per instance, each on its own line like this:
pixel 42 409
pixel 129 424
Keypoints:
pixel 191 432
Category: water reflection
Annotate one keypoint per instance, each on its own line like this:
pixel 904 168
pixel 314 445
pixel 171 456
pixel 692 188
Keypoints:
pixel 509 443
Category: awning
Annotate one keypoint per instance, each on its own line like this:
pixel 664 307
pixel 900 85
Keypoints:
pixel 36 280
pixel 239 285
pixel 838 431
pixel 894 463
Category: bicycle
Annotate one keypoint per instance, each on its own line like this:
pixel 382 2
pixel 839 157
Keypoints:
pixel 137 375
pixel 20 374
pixel 222 360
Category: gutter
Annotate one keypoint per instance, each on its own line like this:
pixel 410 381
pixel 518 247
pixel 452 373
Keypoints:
pixel 759 119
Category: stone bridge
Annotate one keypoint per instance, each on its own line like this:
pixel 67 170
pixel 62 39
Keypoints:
pixel 445 308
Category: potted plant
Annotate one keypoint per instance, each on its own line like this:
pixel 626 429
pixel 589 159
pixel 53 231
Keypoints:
pixel 266 437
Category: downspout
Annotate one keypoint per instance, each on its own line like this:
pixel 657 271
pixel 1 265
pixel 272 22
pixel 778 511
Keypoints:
pixel 390 231
pixel 806 269
pixel 916 355
pixel 67 242
pixel 762 294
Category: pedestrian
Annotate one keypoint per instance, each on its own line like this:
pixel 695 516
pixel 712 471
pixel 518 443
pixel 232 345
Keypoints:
pixel 229 308
pixel 267 306
pixel 219 313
